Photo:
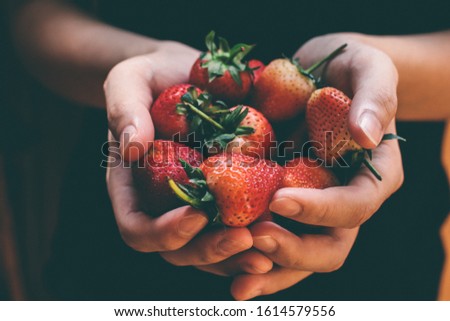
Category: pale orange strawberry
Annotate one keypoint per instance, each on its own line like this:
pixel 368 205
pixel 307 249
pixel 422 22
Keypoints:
pixel 284 87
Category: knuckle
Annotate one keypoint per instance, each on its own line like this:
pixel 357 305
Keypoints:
pixel 400 180
pixel 207 257
pixel 322 215
pixel 168 242
pixel 133 241
pixel 295 262
pixel 387 100
pixel 335 265
pixel 362 215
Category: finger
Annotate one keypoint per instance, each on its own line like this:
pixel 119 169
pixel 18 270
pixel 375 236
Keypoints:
pixel 318 253
pixel 142 232
pixel 128 99
pixel 374 81
pixel 250 261
pixel 248 286
pixel 345 206
pixel 211 247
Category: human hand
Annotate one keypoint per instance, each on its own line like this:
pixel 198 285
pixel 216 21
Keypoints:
pixel 369 76
pixel 129 89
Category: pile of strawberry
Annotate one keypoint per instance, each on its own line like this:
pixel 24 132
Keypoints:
pixel 215 140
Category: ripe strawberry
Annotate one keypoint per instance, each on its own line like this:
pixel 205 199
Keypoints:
pixel 151 174
pixel 258 67
pixel 284 87
pixel 306 173
pixel 327 119
pixel 234 189
pixel 221 70
pixel 327 112
pixel 258 143
pixel 167 119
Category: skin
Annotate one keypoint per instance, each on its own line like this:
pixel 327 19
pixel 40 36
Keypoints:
pixel 73 54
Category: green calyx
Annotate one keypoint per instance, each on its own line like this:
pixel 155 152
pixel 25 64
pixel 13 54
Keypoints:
pixel 308 72
pixel 221 58
pixel 196 193
pixel 213 120
pixel 230 128
pixel 199 109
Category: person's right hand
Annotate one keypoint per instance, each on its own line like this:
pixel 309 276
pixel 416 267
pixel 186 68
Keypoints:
pixel 129 90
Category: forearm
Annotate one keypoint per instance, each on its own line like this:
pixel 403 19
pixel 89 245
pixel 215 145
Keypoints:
pixel 70 52
pixel 423 65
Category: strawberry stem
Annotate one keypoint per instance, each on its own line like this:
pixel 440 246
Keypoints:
pixel 372 169
pixel 391 136
pixel 327 58
pixel 177 190
pixel 205 117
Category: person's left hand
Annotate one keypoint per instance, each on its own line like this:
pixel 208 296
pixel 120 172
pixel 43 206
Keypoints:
pixel 369 76
pixel 295 257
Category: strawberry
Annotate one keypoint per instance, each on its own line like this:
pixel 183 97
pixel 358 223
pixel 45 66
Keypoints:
pixel 221 70
pixel 327 120
pixel 327 111
pixel 306 173
pixel 284 87
pixel 167 119
pixel 258 143
pixel 151 174
pixel 233 189
pixel 258 67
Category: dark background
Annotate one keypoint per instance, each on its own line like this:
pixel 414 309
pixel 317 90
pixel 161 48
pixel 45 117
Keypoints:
pixel 50 151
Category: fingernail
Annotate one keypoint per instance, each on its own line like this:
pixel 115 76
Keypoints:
pixel 191 225
pixel 285 206
pixel 254 294
pixel 265 243
pixel 230 246
pixel 371 127
pixel 127 135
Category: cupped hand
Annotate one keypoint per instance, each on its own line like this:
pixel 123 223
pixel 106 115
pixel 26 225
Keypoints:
pixel 130 89
pixel 295 257
pixel 369 76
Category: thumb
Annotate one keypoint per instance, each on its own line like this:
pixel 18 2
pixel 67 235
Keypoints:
pixel 128 99
pixel 374 103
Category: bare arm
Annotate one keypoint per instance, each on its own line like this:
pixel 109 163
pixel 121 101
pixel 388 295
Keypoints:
pixel 72 53
pixel 422 64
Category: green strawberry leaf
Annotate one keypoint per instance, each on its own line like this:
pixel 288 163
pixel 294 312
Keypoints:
pixel 235 74
pixel 196 193
pixel 223 45
pixel 220 59
pixel 209 41
pixel 244 131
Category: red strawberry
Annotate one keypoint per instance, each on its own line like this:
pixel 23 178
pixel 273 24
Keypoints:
pixel 306 173
pixel 233 188
pixel 327 112
pixel 284 87
pixel 258 67
pixel 221 71
pixel 258 143
pixel 327 119
pixel 167 119
pixel 151 174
